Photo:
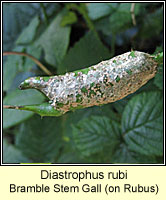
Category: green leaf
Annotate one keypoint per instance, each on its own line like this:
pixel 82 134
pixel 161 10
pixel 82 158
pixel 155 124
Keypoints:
pixel 18 97
pixel 152 21
pixel 120 105
pixel 70 157
pixel 158 80
pixel 89 50
pixel 72 118
pixel 28 34
pixel 16 64
pixel 103 25
pixel 98 10
pixel 16 16
pixel 159 58
pixel 121 19
pixel 126 7
pixel 76 116
pixel 69 18
pixel 11 67
pixel 142 123
pixel 12 155
pixel 93 134
pixel 55 40
pixel 40 139
pixel 124 155
pixel 28 64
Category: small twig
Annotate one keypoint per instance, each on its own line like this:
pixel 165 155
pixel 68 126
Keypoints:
pixel 42 67
pixel 133 14
pixel 10 107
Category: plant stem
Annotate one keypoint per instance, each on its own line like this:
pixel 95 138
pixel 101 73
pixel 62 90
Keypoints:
pixel 44 109
pixel 42 67
pixel 133 14
pixel 10 107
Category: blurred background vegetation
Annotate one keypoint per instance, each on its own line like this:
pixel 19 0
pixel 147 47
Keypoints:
pixel 71 36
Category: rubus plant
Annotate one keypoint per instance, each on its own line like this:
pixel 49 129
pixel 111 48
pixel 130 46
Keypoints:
pixel 125 124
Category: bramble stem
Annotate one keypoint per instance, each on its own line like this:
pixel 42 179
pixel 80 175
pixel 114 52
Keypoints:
pixel 42 67
pixel 11 107
pixel 44 109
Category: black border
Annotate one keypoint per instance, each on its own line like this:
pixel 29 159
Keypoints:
pixel 76 164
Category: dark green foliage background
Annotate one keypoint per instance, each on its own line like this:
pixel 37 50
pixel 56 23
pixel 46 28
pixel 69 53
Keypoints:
pixel 71 36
